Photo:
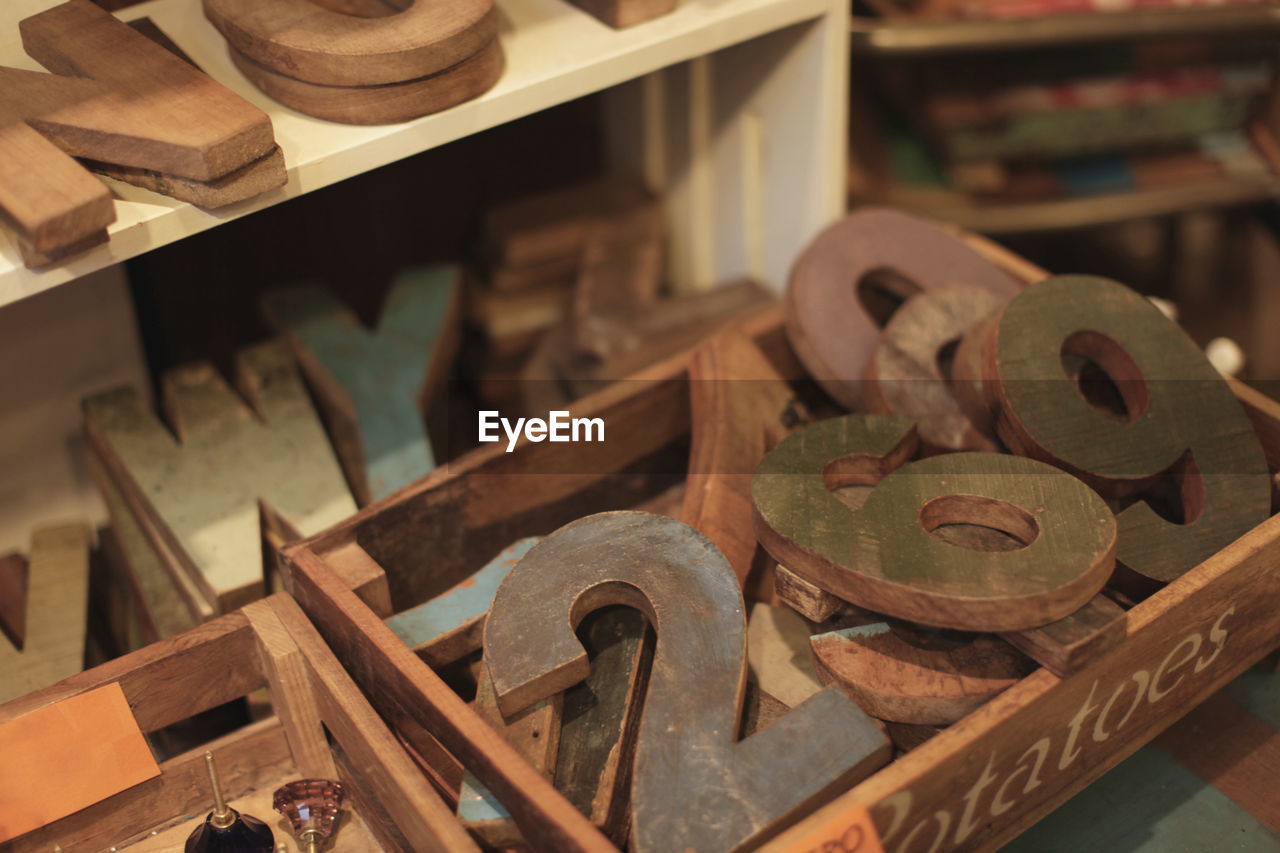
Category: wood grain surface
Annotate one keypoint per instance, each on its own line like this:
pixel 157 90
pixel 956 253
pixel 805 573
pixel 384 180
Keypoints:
pixel 885 557
pixel 872 249
pixel 1171 414
pixel 311 42
pixel 1074 641
pixel 722 795
pixel 386 103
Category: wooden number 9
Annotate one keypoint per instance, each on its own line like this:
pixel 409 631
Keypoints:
pixel 693 788
pixel 1171 414
pixel 883 555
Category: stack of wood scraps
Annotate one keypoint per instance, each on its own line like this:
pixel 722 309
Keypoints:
pixel 155 121
pixel 363 61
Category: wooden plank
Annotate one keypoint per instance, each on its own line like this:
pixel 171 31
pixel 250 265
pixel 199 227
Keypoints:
pixel 57 604
pixel 1071 643
pixel 291 695
pixel 535 733
pixel 1213 462
pixel 885 556
pixel 450 626
pixel 372 385
pixel 385 103
pixel 392 676
pixel 363 575
pixel 873 258
pixel 69 755
pixel 905 674
pixel 740 407
pixel 318 44
pixel 700 791
pixel 809 600
pixel 602 719
pixel 420 815
pixel 202 495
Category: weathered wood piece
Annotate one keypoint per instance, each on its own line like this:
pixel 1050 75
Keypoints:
pixel 386 103
pixel 69 755
pixel 316 43
pixel 886 557
pixel 237 462
pixel 602 719
pixel 1073 642
pixel 905 371
pixel 535 733
pixel 373 385
pixel 57 602
pixel 451 626
pixel 254 178
pixel 626 13
pixel 13 598
pixel 722 795
pixel 151 117
pixel 740 408
pixel 619 275
pixel 778 654
pixel 1174 416
pixel 907 674
pixel 967 379
pixel 810 601
pixel 872 254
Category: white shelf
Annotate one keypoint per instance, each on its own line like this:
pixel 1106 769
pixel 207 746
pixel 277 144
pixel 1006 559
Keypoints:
pixel 554 52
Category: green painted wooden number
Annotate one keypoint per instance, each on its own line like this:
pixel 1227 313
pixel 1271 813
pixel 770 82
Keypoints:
pixel 884 556
pixel 1146 414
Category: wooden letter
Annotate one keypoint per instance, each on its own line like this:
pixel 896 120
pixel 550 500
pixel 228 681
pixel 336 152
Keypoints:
pixel 698 791
pixel 203 495
pixel 1175 416
pixel 373 386
pixel 827 317
pixel 885 557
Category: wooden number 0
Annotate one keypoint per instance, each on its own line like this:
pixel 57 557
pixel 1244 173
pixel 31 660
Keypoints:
pixel 694 788
pixel 884 557
pixel 1175 415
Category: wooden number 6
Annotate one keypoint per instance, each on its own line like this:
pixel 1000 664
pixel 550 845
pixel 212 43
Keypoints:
pixel 694 788
pixel 884 557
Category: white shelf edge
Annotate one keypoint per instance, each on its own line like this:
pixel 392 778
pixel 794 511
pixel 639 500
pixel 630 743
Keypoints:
pixel 555 53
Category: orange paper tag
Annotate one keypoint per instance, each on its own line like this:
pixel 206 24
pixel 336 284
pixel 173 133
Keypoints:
pixel 69 755
pixel 850 831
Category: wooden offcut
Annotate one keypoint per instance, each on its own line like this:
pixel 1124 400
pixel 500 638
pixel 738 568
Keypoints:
pixel 373 385
pixel 700 791
pixel 1074 641
pixel 237 462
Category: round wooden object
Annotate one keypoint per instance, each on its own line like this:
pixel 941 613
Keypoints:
pixel 1167 414
pixel 829 326
pixel 306 41
pixel 886 557
pixel 967 377
pixel 904 376
pixel 906 674
pixel 381 104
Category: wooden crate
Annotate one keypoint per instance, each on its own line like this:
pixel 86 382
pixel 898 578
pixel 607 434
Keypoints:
pixel 268 644
pixel 972 787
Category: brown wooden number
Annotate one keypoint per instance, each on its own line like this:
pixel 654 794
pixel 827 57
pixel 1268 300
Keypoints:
pixel 872 254
pixel 905 374
pixel 1170 414
pixel 883 556
pixel 694 788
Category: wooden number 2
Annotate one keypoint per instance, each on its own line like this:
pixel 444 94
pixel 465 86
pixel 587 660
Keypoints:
pixel 883 555
pixel 694 788
pixel 1171 413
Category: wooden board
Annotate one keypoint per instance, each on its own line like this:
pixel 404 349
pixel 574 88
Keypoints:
pixel 702 791
pixel 885 557
pixel 57 603
pixel 899 672
pixel 626 13
pixel 1071 643
pixel 386 103
pixel 872 255
pixel 319 44
pixel 372 386
pixel 202 493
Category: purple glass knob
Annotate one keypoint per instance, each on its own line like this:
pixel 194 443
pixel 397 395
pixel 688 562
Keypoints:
pixel 311 807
